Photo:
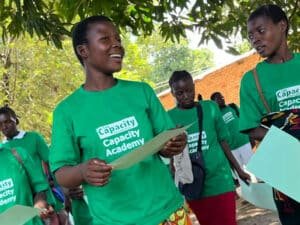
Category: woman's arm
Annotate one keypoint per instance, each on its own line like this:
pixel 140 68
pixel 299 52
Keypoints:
pixel 95 172
pixel 244 176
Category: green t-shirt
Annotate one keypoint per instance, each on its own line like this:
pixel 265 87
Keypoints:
pixel 81 213
pixel 108 124
pixel 34 143
pixel 218 178
pixel 37 148
pixel 280 84
pixel 231 120
pixel 17 186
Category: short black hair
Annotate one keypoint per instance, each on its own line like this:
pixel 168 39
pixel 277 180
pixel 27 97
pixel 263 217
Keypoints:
pixel 213 95
pixel 274 12
pixel 9 111
pixel 199 97
pixel 80 29
pixel 179 75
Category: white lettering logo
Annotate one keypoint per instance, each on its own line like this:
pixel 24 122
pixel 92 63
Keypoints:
pixel 193 142
pixel 7 192
pixel 227 117
pixel 286 93
pixel 117 127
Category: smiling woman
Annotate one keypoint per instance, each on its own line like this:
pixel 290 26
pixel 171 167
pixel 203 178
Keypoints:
pixel 107 118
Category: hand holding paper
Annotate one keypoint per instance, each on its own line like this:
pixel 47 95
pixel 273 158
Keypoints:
pixel 174 146
pixel 276 162
pixel 95 172
pixel 18 215
pixel 151 147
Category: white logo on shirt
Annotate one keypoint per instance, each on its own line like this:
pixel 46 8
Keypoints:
pixel 288 98
pixel 117 127
pixel 228 117
pixel 193 142
pixel 287 93
pixel 7 192
pixel 120 136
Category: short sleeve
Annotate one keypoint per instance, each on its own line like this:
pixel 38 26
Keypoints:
pixel 42 147
pixel 250 109
pixel 37 179
pixel 221 128
pixel 64 150
pixel 158 116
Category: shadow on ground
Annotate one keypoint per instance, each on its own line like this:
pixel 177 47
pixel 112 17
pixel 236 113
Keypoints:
pixel 247 214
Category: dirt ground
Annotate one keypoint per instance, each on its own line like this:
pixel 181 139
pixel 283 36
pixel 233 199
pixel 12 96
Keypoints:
pixel 247 214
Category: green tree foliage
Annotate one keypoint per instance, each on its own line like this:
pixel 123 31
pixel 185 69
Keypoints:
pixel 240 48
pixel 214 19
pixel 135 64
pixel 165 57
pixel 36 75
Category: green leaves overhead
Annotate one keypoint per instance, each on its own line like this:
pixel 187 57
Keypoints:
pixel 214 19
pixel 32 16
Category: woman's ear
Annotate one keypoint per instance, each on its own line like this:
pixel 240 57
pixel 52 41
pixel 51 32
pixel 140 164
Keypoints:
pixel 82 51
pixel 283 26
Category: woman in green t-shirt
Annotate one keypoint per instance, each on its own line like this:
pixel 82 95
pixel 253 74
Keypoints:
pixel 22 183
pixel 217 204
pixel 279 78
pixel 104 119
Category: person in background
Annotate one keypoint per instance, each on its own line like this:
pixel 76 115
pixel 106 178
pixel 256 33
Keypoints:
pixel 279 81
pixel 240 143
pixel 217 205
pixel 36 147
pixel 115 117
pixel 199 97
pixel 33 142
pixel 23 183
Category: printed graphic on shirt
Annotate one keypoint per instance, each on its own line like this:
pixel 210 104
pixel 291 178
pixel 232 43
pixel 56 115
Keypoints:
pixel 193 142
pixel 288 98
pixel 120 136
pixel 228 117
pixel 7 192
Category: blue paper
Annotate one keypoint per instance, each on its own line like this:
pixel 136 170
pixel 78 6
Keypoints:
pixel 277 162
pixel 258 194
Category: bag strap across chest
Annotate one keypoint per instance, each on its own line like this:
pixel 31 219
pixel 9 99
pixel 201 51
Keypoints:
pixel 200 126
pixel 259 90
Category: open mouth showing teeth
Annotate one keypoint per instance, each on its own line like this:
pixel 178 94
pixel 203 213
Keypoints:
pixel 117 56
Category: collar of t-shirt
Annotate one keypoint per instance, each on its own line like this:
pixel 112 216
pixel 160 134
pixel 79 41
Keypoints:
pixel 20 135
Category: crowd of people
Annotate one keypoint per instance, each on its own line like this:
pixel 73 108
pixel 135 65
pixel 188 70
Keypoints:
pixel 117 116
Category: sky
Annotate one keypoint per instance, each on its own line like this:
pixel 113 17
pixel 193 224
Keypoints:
pixel 220 56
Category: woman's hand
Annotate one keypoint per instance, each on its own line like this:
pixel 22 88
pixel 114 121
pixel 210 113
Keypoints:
pixel 46 210
pixel 244 176
pixel 95 172
pixel 174 146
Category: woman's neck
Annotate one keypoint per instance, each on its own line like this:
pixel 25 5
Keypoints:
pixel 98 82
pixel 13 135
pixel 281 56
